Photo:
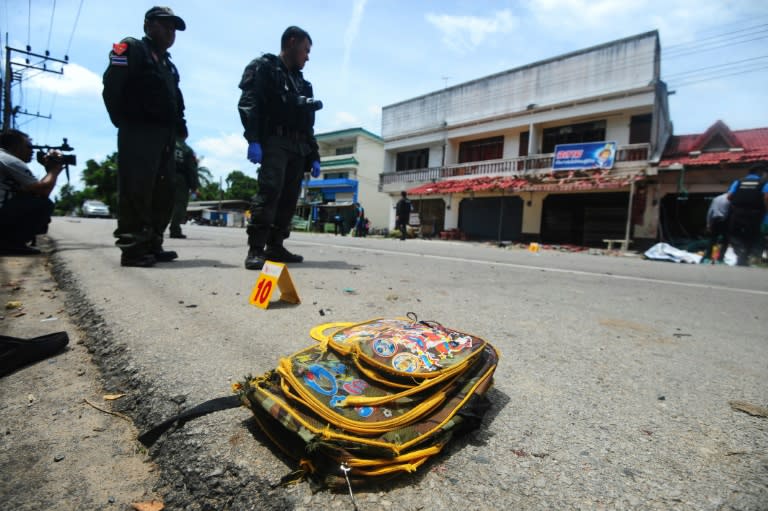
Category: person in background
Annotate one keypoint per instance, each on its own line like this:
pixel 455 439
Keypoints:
pixel 749 203
pixel 402 214
pixel 25 209
pixel 277 109
pixel 359 220
pixel 338 223
pixel 186 181
pixel 717 225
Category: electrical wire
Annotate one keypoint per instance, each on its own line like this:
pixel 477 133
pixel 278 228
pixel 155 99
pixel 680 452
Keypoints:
pixel 74 27
pixel 716 66
pixel 66 58
pixel 720 75
pixel 50 29
pixel 29 24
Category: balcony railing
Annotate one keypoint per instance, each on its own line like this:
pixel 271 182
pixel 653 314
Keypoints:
pixel 522 166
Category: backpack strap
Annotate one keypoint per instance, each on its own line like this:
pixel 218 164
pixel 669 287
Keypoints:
pixel 214 405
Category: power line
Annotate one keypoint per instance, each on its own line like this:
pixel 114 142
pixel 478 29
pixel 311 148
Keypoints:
pixel 74 27
pixel 718 36
pixel 719 75
pixel 717 66
pixel 50 30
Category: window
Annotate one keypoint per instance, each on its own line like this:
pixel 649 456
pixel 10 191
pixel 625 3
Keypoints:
pixel 640 129
pixel 336 175
pixel 411 160
pixel 524 138
pixel 480 150
pixel 345 150
pixel 572 134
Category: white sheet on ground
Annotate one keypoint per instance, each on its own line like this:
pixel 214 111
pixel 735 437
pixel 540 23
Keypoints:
pixel 666 252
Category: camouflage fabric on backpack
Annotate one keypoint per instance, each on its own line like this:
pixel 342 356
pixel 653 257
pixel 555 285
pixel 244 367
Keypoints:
pixel 373 399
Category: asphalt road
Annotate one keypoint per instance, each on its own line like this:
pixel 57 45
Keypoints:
pixel 612 391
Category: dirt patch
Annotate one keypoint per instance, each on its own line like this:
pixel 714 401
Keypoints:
pixel 56 450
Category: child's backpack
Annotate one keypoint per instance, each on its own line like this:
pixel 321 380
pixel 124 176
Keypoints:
pixel 370 400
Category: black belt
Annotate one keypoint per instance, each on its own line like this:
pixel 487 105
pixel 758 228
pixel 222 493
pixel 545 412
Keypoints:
pixel 291 133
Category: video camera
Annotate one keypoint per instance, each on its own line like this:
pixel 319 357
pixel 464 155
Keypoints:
pixel 44 156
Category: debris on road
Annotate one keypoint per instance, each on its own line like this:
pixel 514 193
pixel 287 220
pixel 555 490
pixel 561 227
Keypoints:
pixel 749 408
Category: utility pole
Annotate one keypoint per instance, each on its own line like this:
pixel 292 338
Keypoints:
pixel 9 111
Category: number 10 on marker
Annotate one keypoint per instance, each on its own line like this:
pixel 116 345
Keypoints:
pixel 263 291
pixel 273 275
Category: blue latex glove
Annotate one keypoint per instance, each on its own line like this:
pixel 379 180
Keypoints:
pixel 254 152
pixel 315 168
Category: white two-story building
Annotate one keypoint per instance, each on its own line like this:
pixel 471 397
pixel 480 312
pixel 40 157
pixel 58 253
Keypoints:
pixel 350 162
pixel 477 157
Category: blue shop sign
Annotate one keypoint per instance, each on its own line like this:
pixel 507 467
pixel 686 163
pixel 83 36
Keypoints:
pixel 590 155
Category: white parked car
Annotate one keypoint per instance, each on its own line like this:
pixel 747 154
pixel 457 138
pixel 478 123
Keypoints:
pixel 95 208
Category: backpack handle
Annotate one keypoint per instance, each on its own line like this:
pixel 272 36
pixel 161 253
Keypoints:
pixel 323 333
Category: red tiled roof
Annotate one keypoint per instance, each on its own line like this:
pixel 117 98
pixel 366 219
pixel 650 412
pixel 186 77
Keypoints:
pixel 553 183
pixel 754 143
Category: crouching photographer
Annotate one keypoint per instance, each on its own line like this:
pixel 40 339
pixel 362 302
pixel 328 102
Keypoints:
pixel 25 209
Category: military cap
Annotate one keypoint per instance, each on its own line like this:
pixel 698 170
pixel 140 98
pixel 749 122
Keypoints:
pixel 165 12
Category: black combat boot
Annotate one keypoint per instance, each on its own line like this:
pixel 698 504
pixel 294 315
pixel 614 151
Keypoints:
pixel 141 261
pixel 280 254
pixel 255 259
pixel 165 256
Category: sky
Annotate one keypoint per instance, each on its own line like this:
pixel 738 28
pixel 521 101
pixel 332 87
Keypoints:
pixel 371 53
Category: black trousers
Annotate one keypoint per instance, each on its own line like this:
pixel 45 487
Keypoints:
pixel 282 170
pixel 145 170
pixel 719 230
pixel 24 217
pixel 180 203
pixel 403 229
pixel 744 232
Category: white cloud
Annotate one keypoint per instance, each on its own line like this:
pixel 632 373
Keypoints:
pixel 229 146
pixel 223 154
pixel 465 33
pixel 76 81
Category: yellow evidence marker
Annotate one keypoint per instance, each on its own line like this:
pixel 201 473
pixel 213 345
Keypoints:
pixel 273 275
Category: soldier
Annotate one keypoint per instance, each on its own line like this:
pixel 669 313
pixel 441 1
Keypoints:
pixel 749 203
pixel 186 180
pixel 277 110
pixel 142 96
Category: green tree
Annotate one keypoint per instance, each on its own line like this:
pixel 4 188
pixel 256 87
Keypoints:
pixel 68 200
pixel 101 181
pixel 240 186
pixel 209 191
pixel 204 175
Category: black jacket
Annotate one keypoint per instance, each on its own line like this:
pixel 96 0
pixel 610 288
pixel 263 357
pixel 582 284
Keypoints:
pixel 141 85
pixel 272 97
pixel 403 210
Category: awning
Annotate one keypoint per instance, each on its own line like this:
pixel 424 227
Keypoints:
pixel 567 181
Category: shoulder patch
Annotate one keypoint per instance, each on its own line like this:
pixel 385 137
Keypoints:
pixel 118 60
pixel 119 48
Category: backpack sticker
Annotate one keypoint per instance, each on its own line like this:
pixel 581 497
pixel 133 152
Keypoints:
pixel 384 347
pixel 406 362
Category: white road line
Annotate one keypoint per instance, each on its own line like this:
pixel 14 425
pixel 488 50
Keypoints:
pixel 539 268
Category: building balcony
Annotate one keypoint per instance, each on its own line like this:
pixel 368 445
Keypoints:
pixel 631 155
